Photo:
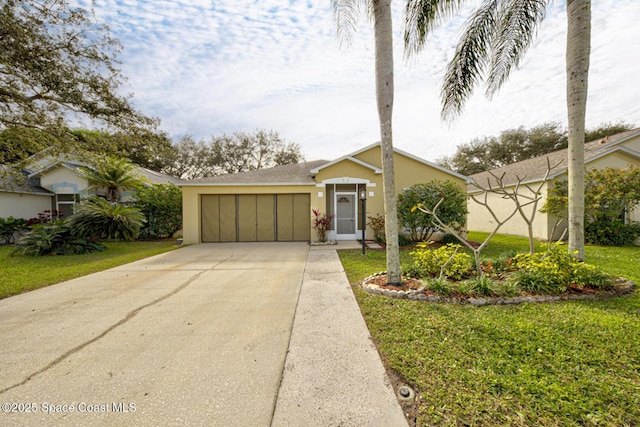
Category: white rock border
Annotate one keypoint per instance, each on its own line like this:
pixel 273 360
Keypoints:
pixel 621 287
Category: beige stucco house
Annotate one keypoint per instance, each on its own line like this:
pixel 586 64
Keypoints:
pixel 617 151
pixel 53 183
pixel 276 204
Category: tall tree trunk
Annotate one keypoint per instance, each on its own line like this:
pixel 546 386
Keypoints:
pixel 384 97
pixel 578 52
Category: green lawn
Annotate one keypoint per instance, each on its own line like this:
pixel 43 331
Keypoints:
pixel 25 273
pixel 558 364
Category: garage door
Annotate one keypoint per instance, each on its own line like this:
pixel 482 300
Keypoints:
pixel 255 217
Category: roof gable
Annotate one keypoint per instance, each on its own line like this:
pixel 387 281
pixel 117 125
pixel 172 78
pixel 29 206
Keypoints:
pixel 358 154
pixel 347 158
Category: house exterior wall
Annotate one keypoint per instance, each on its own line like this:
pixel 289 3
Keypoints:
pixel 633 143
pixel 348 172
pixel 408 172
pixel 21 205
pixel 191 202
pixel 62 180
pixel 480 219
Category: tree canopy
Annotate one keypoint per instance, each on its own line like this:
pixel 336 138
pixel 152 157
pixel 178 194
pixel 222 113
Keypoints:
pixel 514 145
pixel 233 153
pixel 58 65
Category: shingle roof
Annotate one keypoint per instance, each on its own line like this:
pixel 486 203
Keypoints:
pixel 534 169
pixel 299 173
pixel 155 177
pixel 12 183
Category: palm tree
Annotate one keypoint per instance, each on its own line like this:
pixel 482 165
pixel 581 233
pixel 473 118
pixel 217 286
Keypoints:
pixel 113 176
pixel 495 40
pixel 346 13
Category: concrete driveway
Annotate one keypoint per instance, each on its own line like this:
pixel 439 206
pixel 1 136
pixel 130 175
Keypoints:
pixel 197 336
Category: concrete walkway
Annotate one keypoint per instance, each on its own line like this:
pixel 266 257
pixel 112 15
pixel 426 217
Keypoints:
pixel 333 374
pixel 197 336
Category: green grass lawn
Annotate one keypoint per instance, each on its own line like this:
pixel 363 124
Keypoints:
pixel 557 364
pixel 25 273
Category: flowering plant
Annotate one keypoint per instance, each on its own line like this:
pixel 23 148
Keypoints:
pixel 321 223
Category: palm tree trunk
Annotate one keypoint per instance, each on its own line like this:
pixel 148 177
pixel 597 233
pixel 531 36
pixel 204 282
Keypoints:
pixel 578 52
pixel 384 97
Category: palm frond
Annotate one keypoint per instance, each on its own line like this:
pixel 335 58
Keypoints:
pixel 517 28
pixel 421 17
pixel 466 68
pixel 346 14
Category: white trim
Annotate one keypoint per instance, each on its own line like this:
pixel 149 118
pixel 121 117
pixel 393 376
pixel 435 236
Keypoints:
pixel 336 195
pixel 375 169
pixel 348 180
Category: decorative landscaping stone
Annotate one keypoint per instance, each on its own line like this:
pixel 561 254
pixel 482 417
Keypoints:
pixel 622 287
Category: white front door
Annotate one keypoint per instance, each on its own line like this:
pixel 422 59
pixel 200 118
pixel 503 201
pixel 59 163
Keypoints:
pixel 346 216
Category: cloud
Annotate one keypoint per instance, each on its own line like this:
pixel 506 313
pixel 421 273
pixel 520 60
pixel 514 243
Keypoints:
pixel 207 68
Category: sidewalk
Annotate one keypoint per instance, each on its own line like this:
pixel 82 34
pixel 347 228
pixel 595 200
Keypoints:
pixel 333 375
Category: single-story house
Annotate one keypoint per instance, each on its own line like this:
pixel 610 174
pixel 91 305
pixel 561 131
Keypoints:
pixel 276 204
pixel 53 183
pixel 616 151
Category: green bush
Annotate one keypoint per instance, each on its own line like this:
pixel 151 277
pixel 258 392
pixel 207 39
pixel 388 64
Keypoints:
pixel 404 240
pixel 430 262
pixel 452 209
pixel 440 287
pixel 609 195
pixel 376 223
pixel 552 272
pixel 161 205
pixel 54 238
pixel 9 227
pixel 100 219
pixel 611 233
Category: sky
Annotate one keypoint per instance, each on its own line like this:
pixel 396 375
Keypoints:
pixel 212 67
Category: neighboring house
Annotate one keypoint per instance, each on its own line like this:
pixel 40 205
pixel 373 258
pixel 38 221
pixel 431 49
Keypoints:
pixel 275 204
pixel 616 151
pixel 53 183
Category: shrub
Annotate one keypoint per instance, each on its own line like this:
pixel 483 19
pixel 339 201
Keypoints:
pixel 499 266
pixel 609 195
pixel 321 223
pixel 452 210
pixel 554 271
pixel 449 238
pixel 376 223
pixel 100 219
pixel 9 227
pixel 440 286
pixel 446 260
pixel 611 233
pixel 45 217
pixel 54 238
pixel 404 240
pixel 161 204
pixel 482 285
